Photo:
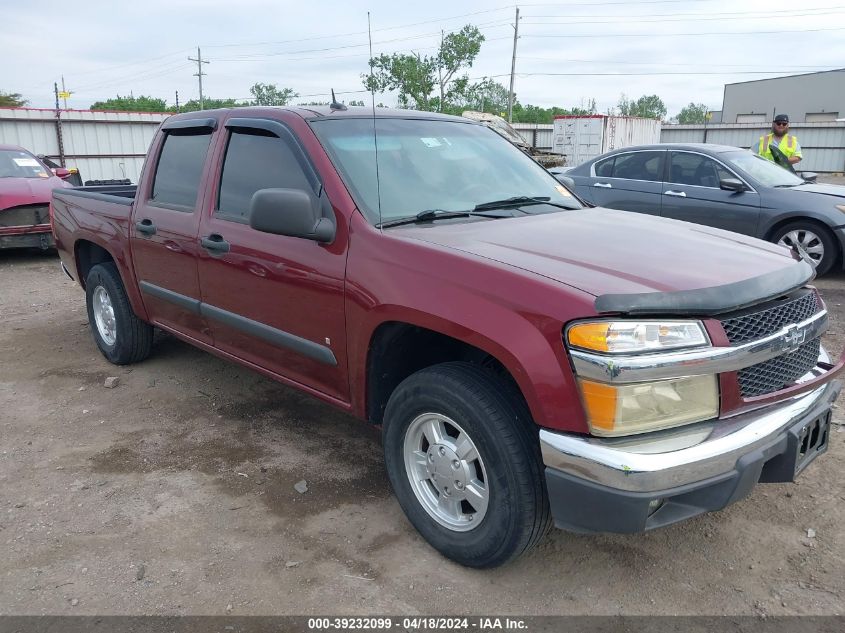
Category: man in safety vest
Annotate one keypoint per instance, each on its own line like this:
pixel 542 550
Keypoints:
pixel 780 137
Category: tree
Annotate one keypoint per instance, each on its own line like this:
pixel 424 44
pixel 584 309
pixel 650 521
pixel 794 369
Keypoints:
pixel 132 104
pixel 270 95
pixel 650 107
pixel 412 75
pixel 486 95
pixel 416 76
pixel 11 100
pixel 210 104
pixel 693 113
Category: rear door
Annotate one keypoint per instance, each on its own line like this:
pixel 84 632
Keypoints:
pixel 272 300
pixel 163 234
pixel 692 194
pixel 631 181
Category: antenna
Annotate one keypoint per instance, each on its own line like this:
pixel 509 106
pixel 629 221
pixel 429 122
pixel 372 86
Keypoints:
pixel 375 134
pixel 335 105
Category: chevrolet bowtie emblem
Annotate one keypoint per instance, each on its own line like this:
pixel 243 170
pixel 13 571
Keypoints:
pixel 794 338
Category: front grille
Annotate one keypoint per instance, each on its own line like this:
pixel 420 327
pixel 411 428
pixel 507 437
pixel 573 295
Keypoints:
pixel 771 317
pixel 25 216
pixel 780 372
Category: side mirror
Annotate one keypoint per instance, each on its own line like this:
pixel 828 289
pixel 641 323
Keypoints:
pixel 567 181
pixel 62 173
pixel 809 176
pixel 291 212
pixel 731 184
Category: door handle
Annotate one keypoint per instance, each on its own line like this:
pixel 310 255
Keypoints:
pixel 215 243
pixel 676 194
pixel 146 227
pixel 603 185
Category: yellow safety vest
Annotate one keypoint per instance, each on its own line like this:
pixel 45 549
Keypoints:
pixel 788 145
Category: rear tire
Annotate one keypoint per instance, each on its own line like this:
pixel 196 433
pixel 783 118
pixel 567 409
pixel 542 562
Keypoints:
pixel 120 335
pixel 463 458
pixel 813 239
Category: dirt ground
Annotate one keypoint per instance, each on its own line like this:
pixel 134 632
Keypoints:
pixel 173 493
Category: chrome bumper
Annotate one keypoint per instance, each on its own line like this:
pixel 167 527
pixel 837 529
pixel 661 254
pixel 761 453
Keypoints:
pixel 667 459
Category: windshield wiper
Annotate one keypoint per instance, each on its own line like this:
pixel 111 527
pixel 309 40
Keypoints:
pixel 786 186
pixel 520 201
pixel 430 215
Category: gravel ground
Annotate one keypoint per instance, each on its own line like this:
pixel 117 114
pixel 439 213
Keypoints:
pixel 174 493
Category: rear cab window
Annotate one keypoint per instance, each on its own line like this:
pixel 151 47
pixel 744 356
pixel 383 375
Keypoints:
pixel 179 169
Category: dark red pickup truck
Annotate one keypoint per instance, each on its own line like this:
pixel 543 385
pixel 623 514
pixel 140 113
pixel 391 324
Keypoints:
pixel 529 360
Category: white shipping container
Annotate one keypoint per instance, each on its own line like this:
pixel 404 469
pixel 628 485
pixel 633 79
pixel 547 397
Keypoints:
pixel 581 138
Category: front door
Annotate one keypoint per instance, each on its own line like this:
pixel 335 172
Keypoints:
pixel 274 301
pixel 163 229
pixel 692 194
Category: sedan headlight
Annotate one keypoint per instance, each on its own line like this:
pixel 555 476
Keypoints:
pixel 624 409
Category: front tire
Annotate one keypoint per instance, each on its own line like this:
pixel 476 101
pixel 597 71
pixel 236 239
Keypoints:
pixel 814 243
pixel 463 458
pixel 120 335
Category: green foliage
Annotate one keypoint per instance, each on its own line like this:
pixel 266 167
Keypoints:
pixel 411 75
pixel 693 113
pixel 484 96
pixel 11 100
pixel 210 104
pixel 270 95
pixel 535 114
pixel 647 106
pixel 132 104
pixel 416 76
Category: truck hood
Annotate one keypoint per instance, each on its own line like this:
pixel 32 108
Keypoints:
pixel 607 252
pixel 15 192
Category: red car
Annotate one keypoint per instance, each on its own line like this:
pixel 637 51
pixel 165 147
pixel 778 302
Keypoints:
pixel 26 185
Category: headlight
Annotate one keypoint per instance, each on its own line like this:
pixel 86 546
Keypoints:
pixel 625 409
pixel 614 337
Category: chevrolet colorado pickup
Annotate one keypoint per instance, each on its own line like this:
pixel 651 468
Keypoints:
pixel 529 361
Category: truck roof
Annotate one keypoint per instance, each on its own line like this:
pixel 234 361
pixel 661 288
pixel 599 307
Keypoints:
pixel 312 113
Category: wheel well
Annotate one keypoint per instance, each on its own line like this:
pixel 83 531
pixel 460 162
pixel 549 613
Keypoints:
pixel 89 255
pixel 398 350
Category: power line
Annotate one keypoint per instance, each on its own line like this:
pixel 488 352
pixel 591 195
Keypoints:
pixel 720 33
pixel 709 13
pixel 388 28
pixel 569 22
pixel 248 56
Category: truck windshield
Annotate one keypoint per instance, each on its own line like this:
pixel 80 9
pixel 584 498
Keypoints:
pixel 442 165
pixel 763 171
pixel 18 164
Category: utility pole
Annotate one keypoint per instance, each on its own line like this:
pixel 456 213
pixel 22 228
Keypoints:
pixel 199 60
pixel 64 92
pixel 59 137
pixel 513 66
pixel 177 102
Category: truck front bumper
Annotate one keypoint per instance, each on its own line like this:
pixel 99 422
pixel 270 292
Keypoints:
pixel 633 484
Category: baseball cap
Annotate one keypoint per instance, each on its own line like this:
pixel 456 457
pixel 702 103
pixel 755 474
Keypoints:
pixel 782 118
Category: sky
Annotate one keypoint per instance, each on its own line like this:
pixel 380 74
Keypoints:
pixel 568 53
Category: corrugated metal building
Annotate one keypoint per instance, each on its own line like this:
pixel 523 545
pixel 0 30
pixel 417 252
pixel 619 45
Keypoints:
pixel 822 144
pixel 102 145
pixel 811 98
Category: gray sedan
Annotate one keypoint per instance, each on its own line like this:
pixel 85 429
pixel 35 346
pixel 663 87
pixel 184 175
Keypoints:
pixel 723 187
